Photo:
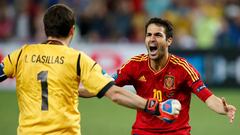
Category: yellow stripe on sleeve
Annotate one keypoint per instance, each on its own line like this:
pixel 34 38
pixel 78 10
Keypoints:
pixel 139 58
pixel 185 65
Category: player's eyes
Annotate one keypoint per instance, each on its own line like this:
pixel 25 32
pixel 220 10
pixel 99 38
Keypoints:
pixel 148 34
pixel 158 35
pixel 155 34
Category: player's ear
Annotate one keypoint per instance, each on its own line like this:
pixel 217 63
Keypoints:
pixel 169 41
pixel 71 32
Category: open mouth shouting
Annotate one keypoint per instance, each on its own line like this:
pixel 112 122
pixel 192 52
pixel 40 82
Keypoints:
pixel 153 49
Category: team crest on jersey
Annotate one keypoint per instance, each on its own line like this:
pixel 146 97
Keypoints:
pixel 169 82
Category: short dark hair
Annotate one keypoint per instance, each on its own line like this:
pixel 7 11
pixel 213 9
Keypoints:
pixel 58 20
pixel 161 22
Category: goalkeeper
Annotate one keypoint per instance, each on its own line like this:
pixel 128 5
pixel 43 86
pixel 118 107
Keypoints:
pixel 165 76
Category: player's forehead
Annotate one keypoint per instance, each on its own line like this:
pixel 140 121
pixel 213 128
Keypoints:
pixel 154 28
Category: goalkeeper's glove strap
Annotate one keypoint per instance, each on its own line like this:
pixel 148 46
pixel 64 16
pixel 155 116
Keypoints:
pixel 152 106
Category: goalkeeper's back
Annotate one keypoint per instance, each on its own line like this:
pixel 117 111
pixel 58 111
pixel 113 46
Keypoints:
pixel 47 88
pixel 48 75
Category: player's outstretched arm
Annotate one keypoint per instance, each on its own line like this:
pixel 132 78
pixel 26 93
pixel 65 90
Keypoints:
pixel 220 106
pixel 167 110
pixel 125 98
pixel 2 74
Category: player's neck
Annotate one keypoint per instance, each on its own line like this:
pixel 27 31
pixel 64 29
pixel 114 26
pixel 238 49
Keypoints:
pixel 160 63
pixel 62 41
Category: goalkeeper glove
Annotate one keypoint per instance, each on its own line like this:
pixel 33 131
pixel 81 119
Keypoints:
pixel 167 111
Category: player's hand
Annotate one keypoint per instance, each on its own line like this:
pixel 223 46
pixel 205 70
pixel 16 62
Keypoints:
pixel 229 110
pixel 169 110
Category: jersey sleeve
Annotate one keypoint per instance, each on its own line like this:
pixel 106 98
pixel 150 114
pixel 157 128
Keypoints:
pixel 123 75
pixel 92 76
pixel 10 63
pixel 196 84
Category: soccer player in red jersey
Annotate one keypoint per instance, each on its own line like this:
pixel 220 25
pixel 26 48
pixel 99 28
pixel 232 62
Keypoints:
pixel 164 76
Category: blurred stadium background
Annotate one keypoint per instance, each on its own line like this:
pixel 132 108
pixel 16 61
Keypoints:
pixel 207 33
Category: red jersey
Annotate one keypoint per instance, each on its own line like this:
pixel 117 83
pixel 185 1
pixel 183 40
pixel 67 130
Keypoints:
pixel 177 80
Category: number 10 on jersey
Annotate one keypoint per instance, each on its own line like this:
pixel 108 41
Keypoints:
pixel 157 94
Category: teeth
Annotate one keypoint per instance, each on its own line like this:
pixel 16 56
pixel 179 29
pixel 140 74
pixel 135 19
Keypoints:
pixel 152 44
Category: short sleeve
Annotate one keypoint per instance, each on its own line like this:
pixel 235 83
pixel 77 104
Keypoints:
pixel 10 63
pixel 92 76
pixel 123 75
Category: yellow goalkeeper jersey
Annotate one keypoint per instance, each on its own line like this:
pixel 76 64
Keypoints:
pixel 47 81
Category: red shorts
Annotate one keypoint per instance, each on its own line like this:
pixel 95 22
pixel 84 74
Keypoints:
pixel 176 132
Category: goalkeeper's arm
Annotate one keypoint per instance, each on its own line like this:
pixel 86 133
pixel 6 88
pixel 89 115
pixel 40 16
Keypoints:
pixel 167 110
pixel 82 92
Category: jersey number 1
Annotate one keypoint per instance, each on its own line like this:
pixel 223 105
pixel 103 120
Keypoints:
pixel 42 76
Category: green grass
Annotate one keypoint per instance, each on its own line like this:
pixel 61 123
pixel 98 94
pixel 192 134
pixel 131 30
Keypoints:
pixel 102 117
pixel 206 122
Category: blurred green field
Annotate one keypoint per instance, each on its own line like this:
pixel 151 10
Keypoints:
pixel 102 117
